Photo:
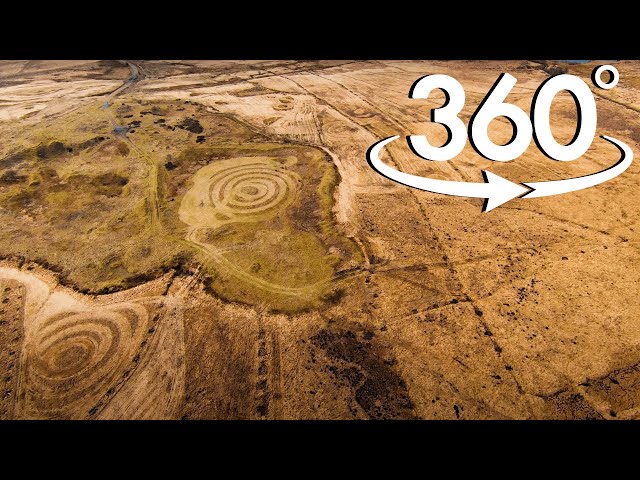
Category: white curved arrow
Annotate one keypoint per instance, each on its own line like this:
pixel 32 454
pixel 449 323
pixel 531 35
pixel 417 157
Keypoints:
pixel 496 190
pixel 556 187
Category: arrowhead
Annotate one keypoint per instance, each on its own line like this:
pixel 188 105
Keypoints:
pixel 502 190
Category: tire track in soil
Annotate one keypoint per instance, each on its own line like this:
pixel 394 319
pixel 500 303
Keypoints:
pixel 154 202
pixel 276 375
pixel 263 395
pixel 12 310
pixel 269 373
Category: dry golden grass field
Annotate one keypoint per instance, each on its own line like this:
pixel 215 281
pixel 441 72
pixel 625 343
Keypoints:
pixel 206 240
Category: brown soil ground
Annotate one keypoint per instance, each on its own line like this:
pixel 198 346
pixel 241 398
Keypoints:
pixel 206 240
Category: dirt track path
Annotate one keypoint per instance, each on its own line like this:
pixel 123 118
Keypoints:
pixel 137 74
pixel 220 259
pixel 154 202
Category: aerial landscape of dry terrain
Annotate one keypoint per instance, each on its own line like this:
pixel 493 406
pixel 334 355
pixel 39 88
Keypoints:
pixel 206 240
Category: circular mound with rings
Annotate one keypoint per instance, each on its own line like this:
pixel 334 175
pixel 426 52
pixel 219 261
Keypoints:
pixel 74 357
pixel 238 190
pixel 250 189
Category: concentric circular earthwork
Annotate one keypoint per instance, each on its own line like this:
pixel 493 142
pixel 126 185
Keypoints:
pixel 250 189
pixel 74 357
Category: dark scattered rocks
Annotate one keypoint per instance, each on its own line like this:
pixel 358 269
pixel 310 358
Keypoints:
pixel 566 405
pixel 13 159
pixel 10 178
pixel 154 111
pixel 53 149
pixel 378 389
pixel 554 70
pixel 123 149
pixel 121 129
pixel 124 111
pixel 91 142
pixel 191 125
pixel 109 184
